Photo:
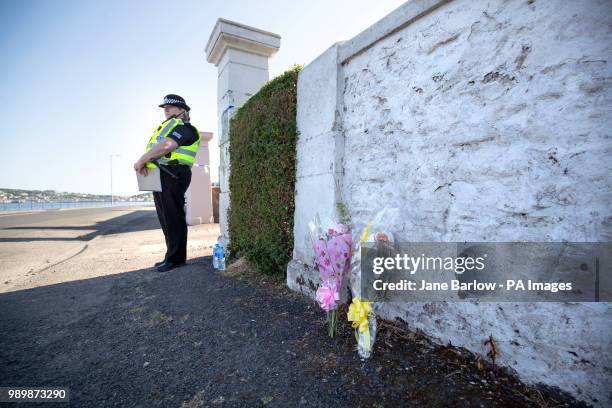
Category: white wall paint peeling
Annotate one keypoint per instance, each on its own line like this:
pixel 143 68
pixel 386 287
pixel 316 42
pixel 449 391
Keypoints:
pixel 481 122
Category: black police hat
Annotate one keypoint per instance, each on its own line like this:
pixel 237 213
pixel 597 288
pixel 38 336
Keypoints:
pixel 175 100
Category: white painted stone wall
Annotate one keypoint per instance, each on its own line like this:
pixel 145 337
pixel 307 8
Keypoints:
pixel 481 121
pixel 319 164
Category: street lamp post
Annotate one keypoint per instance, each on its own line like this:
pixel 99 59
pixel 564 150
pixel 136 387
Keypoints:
pixel 111 176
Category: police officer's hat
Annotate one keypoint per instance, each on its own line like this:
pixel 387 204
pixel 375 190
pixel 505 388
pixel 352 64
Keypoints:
pixel 175 100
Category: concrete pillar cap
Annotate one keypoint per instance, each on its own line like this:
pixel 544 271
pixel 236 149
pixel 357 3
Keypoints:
pixel 230 34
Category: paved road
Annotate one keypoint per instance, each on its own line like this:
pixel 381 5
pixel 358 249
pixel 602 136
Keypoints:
pixel 194 338
pixel 104 324
pixel 82 224
pixel 49 247
pixel 65 217
pixel 32 244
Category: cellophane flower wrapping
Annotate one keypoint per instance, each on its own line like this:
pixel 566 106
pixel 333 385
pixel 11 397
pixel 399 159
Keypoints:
pixel 332 244
pixel 378 230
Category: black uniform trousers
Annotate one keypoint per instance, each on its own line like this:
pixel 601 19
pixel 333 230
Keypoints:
pixel 170 206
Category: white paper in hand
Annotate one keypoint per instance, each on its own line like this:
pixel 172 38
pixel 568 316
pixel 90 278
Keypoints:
pixel 150 182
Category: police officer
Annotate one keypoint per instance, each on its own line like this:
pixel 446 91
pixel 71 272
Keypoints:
pixel 173 148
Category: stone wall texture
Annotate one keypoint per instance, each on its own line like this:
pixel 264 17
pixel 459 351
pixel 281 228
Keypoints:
pixel 480 121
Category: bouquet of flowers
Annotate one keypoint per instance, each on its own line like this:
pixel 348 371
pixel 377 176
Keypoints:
pixel 361 311
pixel 332 247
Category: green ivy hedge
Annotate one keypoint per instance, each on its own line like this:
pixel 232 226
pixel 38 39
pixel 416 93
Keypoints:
pixel 263 137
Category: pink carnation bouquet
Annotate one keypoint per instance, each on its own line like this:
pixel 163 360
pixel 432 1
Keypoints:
pixel 332 249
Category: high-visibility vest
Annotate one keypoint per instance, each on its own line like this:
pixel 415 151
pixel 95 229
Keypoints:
pixel 182 154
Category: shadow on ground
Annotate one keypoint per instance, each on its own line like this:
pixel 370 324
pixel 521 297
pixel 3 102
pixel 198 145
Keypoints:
pixel 192 337
pixel 131 222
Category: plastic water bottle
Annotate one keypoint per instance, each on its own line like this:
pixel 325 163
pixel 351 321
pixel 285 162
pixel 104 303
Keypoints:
pixel 217 254
pixel 221 261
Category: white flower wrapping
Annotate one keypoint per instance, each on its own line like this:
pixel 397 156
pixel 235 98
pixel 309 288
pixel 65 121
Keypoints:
pixel 379 229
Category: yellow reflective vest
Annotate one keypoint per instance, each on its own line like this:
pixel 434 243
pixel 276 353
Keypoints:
pixel 182 154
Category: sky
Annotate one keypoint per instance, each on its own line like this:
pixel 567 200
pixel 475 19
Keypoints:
pixel 81 80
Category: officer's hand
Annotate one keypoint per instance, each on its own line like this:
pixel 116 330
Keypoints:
pixel 141 168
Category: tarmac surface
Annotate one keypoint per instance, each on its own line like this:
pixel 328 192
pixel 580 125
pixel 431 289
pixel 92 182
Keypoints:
pixel 54 246
pixel 81 307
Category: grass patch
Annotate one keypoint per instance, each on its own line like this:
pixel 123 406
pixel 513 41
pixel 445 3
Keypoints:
pixel 158 317
pixel 137 309
pixel 246 272
pixel 197 401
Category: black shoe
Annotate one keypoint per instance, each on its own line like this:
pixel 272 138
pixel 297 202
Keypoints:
pixel 159 263
pixel 166 266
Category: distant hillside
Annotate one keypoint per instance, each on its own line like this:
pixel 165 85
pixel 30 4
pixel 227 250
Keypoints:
pixel 8 195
